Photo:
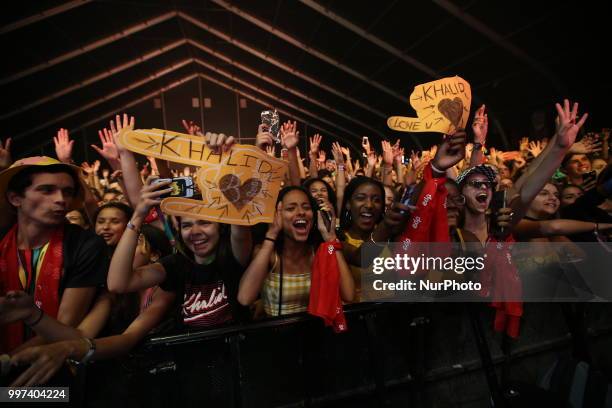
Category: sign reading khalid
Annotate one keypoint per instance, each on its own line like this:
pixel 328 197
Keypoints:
pixel 441 106
pixel 239 186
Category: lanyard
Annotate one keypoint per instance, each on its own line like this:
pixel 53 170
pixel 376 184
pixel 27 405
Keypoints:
pixel 28 261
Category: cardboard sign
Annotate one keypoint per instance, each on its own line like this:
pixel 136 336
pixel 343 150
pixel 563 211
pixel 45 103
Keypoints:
pixel 441 106
pixel 239 186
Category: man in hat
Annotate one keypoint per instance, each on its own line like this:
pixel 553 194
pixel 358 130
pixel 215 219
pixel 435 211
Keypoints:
pixel 60 265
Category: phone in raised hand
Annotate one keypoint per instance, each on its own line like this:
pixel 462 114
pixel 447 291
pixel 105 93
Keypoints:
pixel 271 120
pixel 498 201
pixel 181 187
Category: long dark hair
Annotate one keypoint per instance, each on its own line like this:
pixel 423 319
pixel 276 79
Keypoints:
pixel 355 183
pixel 331 194
pixel 222 251
pixel 314 237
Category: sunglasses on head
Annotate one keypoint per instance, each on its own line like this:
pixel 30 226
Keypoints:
pixel 479 183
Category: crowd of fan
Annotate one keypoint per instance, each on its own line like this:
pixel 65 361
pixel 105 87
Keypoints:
pixel 68 295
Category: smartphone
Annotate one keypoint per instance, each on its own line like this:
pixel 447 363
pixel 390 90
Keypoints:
pixel 181 187
pixel 364 140
pixel 498 201
pixel 326 216
pixel 271 120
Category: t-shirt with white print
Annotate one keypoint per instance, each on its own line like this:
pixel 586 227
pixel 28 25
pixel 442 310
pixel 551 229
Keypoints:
pixel 209 292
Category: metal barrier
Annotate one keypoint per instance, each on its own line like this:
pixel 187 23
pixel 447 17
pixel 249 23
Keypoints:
pixel 392 355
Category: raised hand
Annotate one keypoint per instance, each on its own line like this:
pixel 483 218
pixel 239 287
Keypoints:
pixel 270 150
pixel 289 134
pixel 451 151
pixel 535 148
pixel 219 141
pixel 387 153
pixel 5 154
pixel 587 145
pixel 366 146
pixel 337 152
pixel 346 151
pixel 150 196
pixel 480 125
pixel 322 156
pixel 264 137
pixel 109 149
pixel 567 127
pixel 513 155
pixel 315 142
pixel 87 168
pixel 327 235
pixel 191 127
pixel 63 146
pixel 277 224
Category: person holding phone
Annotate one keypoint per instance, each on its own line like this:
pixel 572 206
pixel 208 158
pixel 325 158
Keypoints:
pixel 282 268
pixel 210 265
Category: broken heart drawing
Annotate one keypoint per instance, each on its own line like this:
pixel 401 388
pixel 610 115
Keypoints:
pixel 239 195
pixel 441 106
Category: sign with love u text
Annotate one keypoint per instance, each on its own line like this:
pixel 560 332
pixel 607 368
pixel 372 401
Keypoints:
pixel 441 106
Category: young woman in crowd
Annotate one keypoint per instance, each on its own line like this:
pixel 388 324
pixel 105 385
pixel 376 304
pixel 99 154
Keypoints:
pixel 111 221
pixel 204 276
pixel 282 265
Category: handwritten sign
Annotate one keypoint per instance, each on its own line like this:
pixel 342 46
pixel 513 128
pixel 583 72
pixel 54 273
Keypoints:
pixel 441 106
pixel 239 186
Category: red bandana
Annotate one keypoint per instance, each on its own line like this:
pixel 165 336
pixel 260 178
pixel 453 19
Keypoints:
pixel 428 223
pixel 500 280
pixel 46 292
pixel 325 299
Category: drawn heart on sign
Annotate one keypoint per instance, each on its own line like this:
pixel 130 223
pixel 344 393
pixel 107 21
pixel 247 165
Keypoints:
pixel 239 195
pixel 451 109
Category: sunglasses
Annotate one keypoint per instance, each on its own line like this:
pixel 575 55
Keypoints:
pixel 479 183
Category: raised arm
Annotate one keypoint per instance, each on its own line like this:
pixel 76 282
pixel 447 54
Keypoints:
pixel 290 137
pixel 240 236
pixel 253 278
pixel 5 154
pixel 122 278
pixel 313 155
pixel 63 146
pixel 530 184
pixel 387 168
pixel 340 175
pixel 480 127
pixel 131 177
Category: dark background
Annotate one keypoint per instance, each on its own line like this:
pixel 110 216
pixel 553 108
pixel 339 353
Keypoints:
pixel 74 63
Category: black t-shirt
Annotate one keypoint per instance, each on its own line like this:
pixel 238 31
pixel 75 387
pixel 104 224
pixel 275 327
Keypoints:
pixel 208 292
pixel 86 259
